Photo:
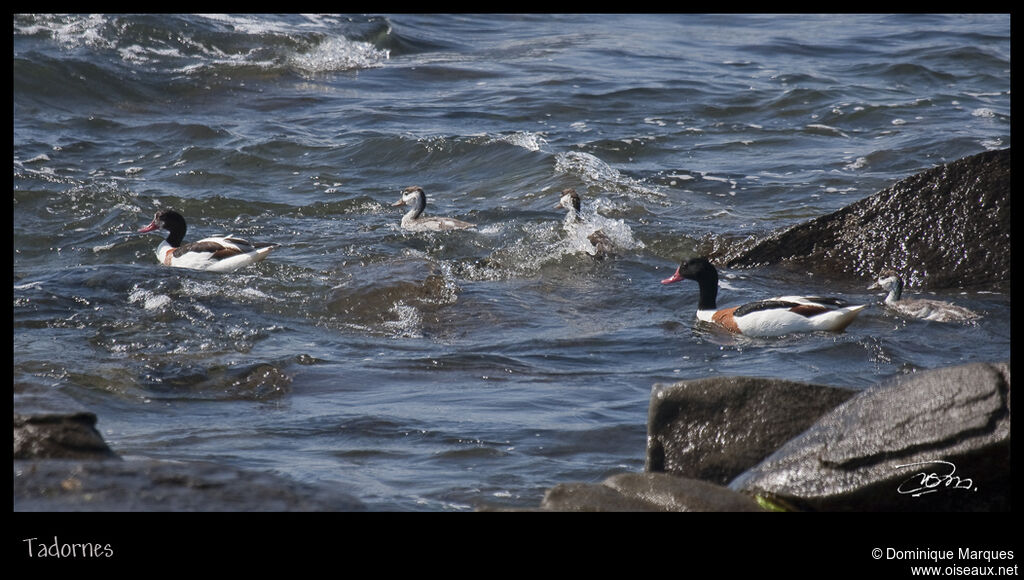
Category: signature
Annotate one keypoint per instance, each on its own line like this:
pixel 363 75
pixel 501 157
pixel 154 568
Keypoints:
pixel 926 482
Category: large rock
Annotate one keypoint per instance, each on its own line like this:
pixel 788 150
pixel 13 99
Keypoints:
pixel 932 441
pixel 59 435
pixel 714 429
pixel 163 486
pixel 636 492
pixel 942 228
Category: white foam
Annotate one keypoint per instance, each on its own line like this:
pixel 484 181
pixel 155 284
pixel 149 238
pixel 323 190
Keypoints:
pixel 150 300
pixel 593 170
pixel 617 231
pixel 827 129
pixel 71 31
pixel 409 322
pixel 860 163
pixel 339 54
pixel 524 139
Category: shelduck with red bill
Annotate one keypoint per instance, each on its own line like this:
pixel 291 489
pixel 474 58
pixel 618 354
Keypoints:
pixel 216 254
pixel 772 317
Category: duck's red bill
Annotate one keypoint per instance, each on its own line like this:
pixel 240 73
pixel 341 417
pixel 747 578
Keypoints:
pixel 674 277
pixel 149 228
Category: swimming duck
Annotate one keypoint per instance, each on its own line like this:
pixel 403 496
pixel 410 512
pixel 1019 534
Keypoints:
pixel 925 308
pixel 216 254
pixel 415 221
pixel 602 244
pixel 771 317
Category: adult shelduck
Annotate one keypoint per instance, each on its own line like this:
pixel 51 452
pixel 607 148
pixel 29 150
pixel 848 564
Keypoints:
pixel 924 308
pixel 771 317
pixel 600 242
pixel 217 254
pixel 415 221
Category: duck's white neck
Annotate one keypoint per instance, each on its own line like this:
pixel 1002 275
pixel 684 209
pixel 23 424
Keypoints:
pixel 895 289
pixel 419 203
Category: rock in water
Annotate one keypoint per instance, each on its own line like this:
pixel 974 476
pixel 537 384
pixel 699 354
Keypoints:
pixel 59 436
pixel 947 227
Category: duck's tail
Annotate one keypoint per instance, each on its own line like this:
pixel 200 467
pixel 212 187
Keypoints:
pixel 839 319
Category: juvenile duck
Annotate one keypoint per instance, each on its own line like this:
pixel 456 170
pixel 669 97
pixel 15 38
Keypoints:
pixel 415 221
pixel 602 244
pixel 924 308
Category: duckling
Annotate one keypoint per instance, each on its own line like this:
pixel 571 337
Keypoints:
pixel 415 221
pixel 602 246
pixel 924 308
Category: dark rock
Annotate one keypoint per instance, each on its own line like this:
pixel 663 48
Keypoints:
pixel 636 492
pixel 174 379
pixel 868 453
pixel 713 429
pixel 59 436
pixel 590 497
pixel 942 228
pixel 159 486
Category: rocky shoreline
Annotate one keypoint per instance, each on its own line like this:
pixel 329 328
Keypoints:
pixel 936 440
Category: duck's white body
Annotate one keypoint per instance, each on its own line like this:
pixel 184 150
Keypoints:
pixel 923 308
pixel 765 318
pixel 781 320
pixel 244 255
pixel 216 254
pixel 414 220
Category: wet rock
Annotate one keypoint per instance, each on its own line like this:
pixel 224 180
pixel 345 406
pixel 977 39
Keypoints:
pixel 185 379
pixel 590 497
pixel 647 492
pixel 160 486
pixel 59 435
pixel 260 382
pixel 933 441
pixel 714 429
pixel 945 227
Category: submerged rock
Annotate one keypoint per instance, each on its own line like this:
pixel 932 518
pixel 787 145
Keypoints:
pixel 946 227
pixel 163 486
pixel 933 441
pixel 376 295
pixel 715 428
pixel 181 378
pixel 647 492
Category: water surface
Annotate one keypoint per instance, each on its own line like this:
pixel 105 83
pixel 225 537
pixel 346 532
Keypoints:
pixel 446 371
